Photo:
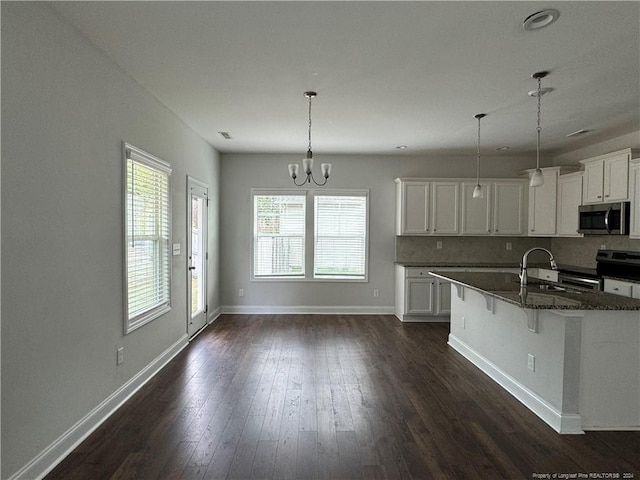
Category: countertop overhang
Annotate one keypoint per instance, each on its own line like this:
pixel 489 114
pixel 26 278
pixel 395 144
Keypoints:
pixel 538 294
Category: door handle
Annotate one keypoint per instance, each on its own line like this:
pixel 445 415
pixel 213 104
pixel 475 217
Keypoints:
pixel 192 268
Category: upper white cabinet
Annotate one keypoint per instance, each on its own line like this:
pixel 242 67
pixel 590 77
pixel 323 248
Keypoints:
pixel 569 199
pixel 606 178
pixel 447 207
pixel 634 194
pixel 476 212
pixel 542 205
pixel 412 207
pixel 509 207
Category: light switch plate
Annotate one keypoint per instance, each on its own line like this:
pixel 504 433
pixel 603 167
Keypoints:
pixel 176 249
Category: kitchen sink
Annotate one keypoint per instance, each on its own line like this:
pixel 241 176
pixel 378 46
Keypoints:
pixel 555 288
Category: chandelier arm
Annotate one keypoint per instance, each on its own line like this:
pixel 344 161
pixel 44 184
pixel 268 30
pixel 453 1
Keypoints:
pixel 319 184
pixel 299 184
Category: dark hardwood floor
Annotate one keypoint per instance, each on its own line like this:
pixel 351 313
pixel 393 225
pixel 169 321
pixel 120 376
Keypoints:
pixel 333 396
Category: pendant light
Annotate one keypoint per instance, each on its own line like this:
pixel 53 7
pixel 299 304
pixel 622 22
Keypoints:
pixel 477 191
pixel 537 179
pixel 307 162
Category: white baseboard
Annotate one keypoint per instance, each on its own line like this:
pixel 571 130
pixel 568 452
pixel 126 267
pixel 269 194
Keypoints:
pixel 561 423
pixel 213 315
pixel 318 310
pixel 46 460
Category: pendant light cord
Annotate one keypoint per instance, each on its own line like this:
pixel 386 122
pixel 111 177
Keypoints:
pixel 538 128
pixel 309 122
pixel 478 156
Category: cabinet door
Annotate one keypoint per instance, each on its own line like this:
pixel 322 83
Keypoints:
pixel 476 214
pixel 634 185
pixel 445 207
pixel 593 182
pixel 508 208
pixel 616 178
pixel 542 206
pixel 635 291
pixel 414 208
pixel 419 296
pixel 443 289
pixel 569 199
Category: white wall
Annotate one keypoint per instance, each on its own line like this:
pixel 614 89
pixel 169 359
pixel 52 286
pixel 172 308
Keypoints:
pixel 66 108
pixel 241 172
pixel 630 140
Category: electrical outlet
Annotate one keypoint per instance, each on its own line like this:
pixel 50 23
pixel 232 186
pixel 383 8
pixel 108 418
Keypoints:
pixel 509 246
pixel 438 244
pixel 120 356
pixel 241 292
pixel 603 247
pixel 531 362
pixel 376 292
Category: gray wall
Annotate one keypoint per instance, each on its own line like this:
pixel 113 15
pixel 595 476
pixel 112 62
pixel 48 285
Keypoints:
pixel 66 108
pixel 241 172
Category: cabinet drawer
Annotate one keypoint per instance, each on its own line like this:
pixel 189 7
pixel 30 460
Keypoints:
pixel 414 272
pixel 618 287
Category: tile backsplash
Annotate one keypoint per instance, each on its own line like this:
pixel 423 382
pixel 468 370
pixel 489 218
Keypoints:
pixel 567 251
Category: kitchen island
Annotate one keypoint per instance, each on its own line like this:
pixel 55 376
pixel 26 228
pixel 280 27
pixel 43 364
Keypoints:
pixel 571 356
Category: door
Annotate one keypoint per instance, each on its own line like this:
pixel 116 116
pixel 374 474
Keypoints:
pixel 197 255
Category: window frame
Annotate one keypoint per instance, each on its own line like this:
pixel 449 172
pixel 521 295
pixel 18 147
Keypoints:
pixel 309 243
pixel 131 152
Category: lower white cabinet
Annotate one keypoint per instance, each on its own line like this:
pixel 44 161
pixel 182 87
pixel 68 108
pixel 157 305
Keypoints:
pixel 620 287
pixel 421 297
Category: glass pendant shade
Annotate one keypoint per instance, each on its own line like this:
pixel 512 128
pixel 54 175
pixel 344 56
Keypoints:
pixel 325 168
pixel 293 170
pixel 307 164
pixel 478 192
pixel 537 179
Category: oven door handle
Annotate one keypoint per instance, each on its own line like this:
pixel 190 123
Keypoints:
pixel 606 219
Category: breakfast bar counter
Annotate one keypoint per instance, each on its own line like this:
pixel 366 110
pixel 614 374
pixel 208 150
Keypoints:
pixel 571 356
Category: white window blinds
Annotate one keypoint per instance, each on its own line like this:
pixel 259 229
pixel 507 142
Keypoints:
pixel 278 235
pixel 147 227
pixel 340 246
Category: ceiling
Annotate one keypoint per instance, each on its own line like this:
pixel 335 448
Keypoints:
pixel 386 73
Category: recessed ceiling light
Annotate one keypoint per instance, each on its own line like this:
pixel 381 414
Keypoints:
pixel 502 149
pixel 225 135
pixel 540 19
pixel 402 147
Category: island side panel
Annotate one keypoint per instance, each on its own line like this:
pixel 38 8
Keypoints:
pixel 495 336
pixel 610 375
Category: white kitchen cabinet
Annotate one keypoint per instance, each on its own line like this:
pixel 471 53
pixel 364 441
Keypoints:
pixel 412 207
pixel 445 208
pixel 569 199
pixel 606 178
pixel 620 287
pixel 542 205
pixel 634 195
pixel 476 212
pixel 509 208
pixel 421 297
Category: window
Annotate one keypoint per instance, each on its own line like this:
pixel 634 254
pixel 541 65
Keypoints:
pixel 325 231
pixel 147 229
pixel 278 235
pixel 340 246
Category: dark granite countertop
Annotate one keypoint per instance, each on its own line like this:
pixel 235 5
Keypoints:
pixel 506 287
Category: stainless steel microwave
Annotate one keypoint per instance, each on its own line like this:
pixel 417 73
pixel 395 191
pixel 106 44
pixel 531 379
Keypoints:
pixel 604 219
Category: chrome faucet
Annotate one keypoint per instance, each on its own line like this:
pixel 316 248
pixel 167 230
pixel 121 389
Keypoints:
pixel 523 265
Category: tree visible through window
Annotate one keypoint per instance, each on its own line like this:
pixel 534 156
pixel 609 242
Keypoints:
pixel 147 227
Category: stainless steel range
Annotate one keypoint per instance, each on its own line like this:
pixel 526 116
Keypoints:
pixel 620 264
pixel 624 265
